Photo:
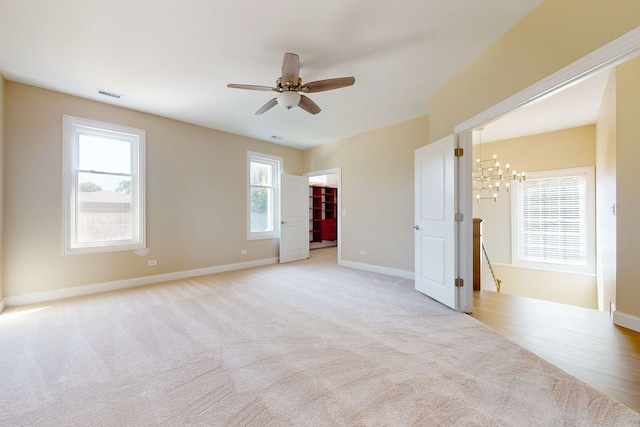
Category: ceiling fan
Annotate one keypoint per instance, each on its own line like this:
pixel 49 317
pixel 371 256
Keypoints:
pixel 290 85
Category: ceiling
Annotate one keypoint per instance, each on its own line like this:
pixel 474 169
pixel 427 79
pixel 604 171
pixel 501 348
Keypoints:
pixel 174 58
pixel 575 105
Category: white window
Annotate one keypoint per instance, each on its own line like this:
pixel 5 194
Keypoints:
pixel 263 195
pixel 103 178
pixel 553 220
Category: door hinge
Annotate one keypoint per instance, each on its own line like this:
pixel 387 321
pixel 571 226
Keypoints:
pixel 459 282
pixel 458 152
pixel 459 217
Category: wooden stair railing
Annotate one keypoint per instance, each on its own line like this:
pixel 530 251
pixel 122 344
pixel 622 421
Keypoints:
pixel 478 251
pixel 477 255
pixel 493 274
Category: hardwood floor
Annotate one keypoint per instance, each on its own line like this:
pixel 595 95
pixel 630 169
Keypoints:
pixel 583 342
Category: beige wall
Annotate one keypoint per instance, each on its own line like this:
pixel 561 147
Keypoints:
pixel 606 195
pixel 569 148
pixel 377 191
pixel 196 195
pixel 556 286
pixel 552 36
pixel 1 186
pixel 628 177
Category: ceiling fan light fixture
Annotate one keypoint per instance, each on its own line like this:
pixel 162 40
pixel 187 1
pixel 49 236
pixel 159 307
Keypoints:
pixel 287 90
pixel 289 99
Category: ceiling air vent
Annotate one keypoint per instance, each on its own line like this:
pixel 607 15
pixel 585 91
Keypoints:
pixel 107 93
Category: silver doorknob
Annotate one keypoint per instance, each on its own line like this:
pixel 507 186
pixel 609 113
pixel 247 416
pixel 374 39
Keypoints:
pixel 417 227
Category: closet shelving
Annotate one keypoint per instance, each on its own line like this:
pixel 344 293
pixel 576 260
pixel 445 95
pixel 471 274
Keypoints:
pixel 322 215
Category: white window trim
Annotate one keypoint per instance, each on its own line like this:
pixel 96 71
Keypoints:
pixel 277 162
pixel 590 217
pixel 71 129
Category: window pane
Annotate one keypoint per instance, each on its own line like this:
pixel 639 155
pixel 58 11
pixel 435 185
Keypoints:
pixel 263 194
pixel 261 208
pixel 104 182
pixel 104 186
pixel 261 174
pixel 103 214
pixel 104 154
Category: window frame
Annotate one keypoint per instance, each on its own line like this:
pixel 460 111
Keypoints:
pixel 590 265
pixel 276 162
pixel 73 127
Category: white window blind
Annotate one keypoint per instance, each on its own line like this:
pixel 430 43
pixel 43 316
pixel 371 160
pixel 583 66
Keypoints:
pixel 552 220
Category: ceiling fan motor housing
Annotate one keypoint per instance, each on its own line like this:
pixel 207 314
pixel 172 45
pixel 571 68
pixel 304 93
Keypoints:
pixel 282 86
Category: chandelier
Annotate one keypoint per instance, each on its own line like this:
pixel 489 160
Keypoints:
pixel 488 177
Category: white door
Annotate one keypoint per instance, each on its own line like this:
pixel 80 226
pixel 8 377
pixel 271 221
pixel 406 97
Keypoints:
pixel 294 224
pixel 435 250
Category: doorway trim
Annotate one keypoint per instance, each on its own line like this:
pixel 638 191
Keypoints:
pixel 334 171
pixel 613 53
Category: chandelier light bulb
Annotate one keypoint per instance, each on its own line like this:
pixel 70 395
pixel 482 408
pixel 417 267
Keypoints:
pixel 488 177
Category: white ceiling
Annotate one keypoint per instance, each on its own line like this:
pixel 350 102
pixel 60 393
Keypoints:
pixel 571 106
pixel 174 58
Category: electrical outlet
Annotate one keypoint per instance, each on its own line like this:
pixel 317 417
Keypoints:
pixel 153 262
pixel 243 252
pixel 363 253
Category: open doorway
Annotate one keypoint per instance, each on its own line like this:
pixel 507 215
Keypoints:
pixel 324 213
pixel 538 227
pixel 616 54
pixel 526 317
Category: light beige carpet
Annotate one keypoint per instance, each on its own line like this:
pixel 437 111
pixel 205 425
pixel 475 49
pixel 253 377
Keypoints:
pixel 302 344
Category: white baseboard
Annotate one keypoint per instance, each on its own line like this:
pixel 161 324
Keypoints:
pixel 377 269
pixel 625 320
pixel 2 305
pixel 76 291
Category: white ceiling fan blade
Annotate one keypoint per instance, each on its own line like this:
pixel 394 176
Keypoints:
pixel 329 84
pixel 267 106
pixel 308 105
